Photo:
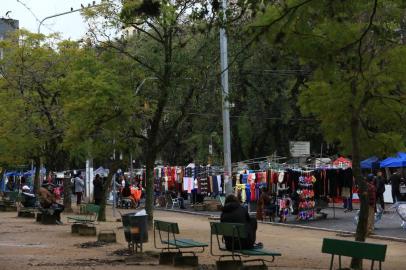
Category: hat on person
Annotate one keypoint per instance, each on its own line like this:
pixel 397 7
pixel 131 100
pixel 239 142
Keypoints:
pixel 25 187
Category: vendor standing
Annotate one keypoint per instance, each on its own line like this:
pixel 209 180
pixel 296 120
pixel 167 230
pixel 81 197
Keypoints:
pixel 395 183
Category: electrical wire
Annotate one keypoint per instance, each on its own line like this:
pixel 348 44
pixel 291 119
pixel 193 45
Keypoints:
pixel 33 14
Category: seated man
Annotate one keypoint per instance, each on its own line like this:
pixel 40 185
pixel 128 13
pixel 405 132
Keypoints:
pixel 175 195
pixel 233 212
pixel 126 194
pixel 47 201
pixel 28 197
pixel 136 195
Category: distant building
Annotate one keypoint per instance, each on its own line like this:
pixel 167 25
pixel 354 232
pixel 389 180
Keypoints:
pixel 6 26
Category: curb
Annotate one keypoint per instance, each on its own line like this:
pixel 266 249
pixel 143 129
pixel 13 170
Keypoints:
pixel 341 233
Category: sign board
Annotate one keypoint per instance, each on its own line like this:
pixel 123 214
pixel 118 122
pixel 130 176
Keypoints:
pixel 299 148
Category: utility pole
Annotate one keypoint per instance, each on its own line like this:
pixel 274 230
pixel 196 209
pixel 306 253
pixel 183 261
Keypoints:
pixel 225 104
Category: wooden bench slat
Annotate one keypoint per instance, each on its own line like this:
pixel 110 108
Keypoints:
pixel 165 226
pixel 228 229
pixel 258 252
pixel 354 249
pixel 92 211
pixel 184 243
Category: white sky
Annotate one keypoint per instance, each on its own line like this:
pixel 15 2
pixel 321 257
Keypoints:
pixel 69 26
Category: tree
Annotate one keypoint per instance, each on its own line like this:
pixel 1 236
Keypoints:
pixel 100 105
pixel 168 76
pixel 33 125
pixel 356 90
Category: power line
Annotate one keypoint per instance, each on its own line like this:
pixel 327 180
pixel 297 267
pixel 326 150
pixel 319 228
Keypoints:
pixel 32 13
pixel 246 116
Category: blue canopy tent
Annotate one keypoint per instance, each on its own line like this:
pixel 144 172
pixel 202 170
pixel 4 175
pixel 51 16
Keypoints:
pixel 5 176
pixel 394 162
pixel 370 163
pixel 31 173
pixel 402 155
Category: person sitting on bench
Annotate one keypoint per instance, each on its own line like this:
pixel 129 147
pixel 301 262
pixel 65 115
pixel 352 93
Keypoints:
pixel 29 198
pixel 126 194
pixel 233 212
pixel 47 201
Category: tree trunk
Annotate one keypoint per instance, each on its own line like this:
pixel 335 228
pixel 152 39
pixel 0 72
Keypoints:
pixel 362 227
pixel 106 190
pixel 37 180
pixel 67 192
pixel 149 196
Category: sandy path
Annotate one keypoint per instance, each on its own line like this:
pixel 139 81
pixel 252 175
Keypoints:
pixel 25 244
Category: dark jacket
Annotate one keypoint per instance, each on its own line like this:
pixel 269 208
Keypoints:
pixel 98 188
pixel 234 213
pixel 380 185
pixel 395 181
pixel 126 191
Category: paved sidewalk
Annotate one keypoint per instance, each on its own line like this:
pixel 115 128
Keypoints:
pixel 388 226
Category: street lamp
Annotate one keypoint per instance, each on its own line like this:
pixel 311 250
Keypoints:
pixel 67 12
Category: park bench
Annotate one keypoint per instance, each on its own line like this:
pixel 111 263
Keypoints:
pixel 237 231
pixel 29 212
pixel 354 249
pixel 90 214
pixel 10 201
pixel 167 232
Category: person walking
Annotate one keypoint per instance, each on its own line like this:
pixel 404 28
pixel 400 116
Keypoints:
pixel 395 183
pixel 371 202
pixel 97 189
pixel 79 185
pixel 380 189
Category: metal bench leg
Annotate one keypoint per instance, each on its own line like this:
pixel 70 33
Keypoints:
pixel 372 264
pixel 380 265
pixel 339 261
pixel 331 262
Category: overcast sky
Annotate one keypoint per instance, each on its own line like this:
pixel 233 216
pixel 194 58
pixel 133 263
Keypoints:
pixel 70 26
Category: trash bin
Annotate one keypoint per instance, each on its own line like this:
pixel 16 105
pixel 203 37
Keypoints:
pixel 135 230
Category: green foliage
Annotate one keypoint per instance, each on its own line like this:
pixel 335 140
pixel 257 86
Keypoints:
pixel 356 67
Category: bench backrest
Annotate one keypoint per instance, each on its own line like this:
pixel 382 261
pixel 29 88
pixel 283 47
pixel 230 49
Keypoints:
pixel 228 229
pixel 165 226
pixel 12 195
pixel 355 249
pixel 93 210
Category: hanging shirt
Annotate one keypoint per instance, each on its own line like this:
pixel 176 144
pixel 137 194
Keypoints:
pixel 252 190
pixel 219 183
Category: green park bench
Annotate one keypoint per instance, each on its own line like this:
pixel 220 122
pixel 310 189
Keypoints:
pixel 237 231
pixel 167 232
pixel 91 212
pixel 10 201
pixel 354 249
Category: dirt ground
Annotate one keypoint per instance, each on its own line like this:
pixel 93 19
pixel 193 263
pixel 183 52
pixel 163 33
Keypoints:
pixel 25 244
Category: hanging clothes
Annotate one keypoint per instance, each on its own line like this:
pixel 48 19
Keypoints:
pixel 253 193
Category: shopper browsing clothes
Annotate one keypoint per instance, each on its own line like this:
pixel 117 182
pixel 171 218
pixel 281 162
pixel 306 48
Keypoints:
pixel 380 189
pixel 372 203
pixel 233 212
